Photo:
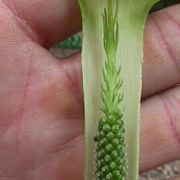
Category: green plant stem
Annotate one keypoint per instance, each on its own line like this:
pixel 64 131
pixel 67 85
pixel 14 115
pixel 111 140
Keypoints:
pixel 131 18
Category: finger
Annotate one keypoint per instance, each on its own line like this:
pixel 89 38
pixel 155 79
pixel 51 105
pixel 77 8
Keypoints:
pixel 161 69
pixel 160 131
pixel 151 85
pixel 50 20
pixel 21 59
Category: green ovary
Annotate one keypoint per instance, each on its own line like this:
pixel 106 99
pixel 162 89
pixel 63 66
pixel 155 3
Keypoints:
pixel 111 149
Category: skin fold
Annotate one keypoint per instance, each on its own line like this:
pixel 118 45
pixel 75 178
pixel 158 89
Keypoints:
pixel 41 99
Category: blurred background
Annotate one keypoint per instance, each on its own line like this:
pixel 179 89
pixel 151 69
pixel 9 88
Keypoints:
pixel 164 3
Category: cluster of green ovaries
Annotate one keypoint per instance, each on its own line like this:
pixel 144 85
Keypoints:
pixel 111 160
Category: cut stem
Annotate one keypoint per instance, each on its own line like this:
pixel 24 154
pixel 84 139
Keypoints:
pixel 111 42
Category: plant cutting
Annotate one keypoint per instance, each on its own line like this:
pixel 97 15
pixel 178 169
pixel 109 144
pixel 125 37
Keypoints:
pixel 112 59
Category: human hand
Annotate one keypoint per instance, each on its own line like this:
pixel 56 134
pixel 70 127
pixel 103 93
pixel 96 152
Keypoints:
pixel 41 103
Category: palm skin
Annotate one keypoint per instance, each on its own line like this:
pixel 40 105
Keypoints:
pixel 41 124
pixel 41 102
